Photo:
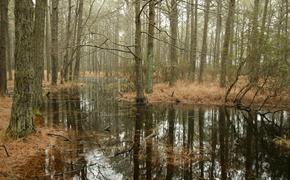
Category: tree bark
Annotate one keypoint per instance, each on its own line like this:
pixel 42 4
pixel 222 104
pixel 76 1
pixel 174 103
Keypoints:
pixel 173 17
pixel 79 35
pixel 204 42
pixel 70 68
pixel 254 55
pixel 3 46
pixel 47 43
pixel 68 36
pixel 140 99
pixel 150 47
pixel 226 45
pixel 21 122
pixel 10 55
pixel 38 46
pixel 218 35
pixel 187 31
pixel 193 43
pixel 54 42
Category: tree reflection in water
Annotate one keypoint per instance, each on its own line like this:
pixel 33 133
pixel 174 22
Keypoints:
pixel 165 142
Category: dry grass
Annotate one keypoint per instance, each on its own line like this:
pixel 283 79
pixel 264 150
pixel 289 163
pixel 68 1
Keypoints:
pixel 93 74
pixel 284 144
pixel 185 92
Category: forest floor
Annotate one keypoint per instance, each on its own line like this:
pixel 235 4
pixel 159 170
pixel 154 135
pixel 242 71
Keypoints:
pixel 26 156
pixel 184 92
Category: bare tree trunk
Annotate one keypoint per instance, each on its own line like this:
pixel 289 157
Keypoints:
pixel 254 56
pixel 79 35
pixel 21 122
pixel 54 42
pixel 140 99
pixel 68 36
pixel 226 45
pixel 158 44
pixel 286 44
pixel 193 43
pixel 263 29
pixel 204 42
pixel 150 48
pixel 117 41
pixel 38 46
pixel 218 36
pixel 187 32
pixel 3 46
pixel 10 56
pixel 48 42
pixel 73 42
pixel 173 52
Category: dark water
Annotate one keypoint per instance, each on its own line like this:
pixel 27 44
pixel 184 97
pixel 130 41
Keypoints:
pixel 115 140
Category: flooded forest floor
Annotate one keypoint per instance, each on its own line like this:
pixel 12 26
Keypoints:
pixel 87 132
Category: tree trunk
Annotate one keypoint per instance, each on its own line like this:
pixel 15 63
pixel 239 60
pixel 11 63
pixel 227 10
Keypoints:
pixel 226 45
pixel 79 35
pixel 187 35
pixel 193 43
pixel 263 29
pixel 173 17
pixel 70 68
pixel 286 44
pixel 54 42
pixel 204 42
pixel 150 47
pixel 10 56
pixel 140 99
pixel 68 36
pixel 47 43
pixel 21 122
pixel 254 56
pixel 38 46
pixel 218 36
pixel 3 46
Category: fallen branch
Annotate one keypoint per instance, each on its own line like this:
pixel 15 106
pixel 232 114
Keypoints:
pixel 57 135
pixel 6 151
pixel 150 136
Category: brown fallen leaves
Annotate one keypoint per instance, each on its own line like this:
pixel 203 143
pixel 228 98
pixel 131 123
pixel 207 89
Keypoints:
pixel 26 155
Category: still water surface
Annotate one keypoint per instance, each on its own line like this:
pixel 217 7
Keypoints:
pixel 115 140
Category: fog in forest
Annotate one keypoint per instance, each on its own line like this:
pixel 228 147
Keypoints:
pixel 144 89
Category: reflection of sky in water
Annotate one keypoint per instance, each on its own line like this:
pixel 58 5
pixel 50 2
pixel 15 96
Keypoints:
pixel 102 168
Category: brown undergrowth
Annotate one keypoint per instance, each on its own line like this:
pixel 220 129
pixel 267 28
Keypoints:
pixel 185 92
pixel 26 156
pixel 283 143
pixel 47 87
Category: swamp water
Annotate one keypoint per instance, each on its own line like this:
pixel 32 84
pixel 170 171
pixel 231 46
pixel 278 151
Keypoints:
pixel 114 140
